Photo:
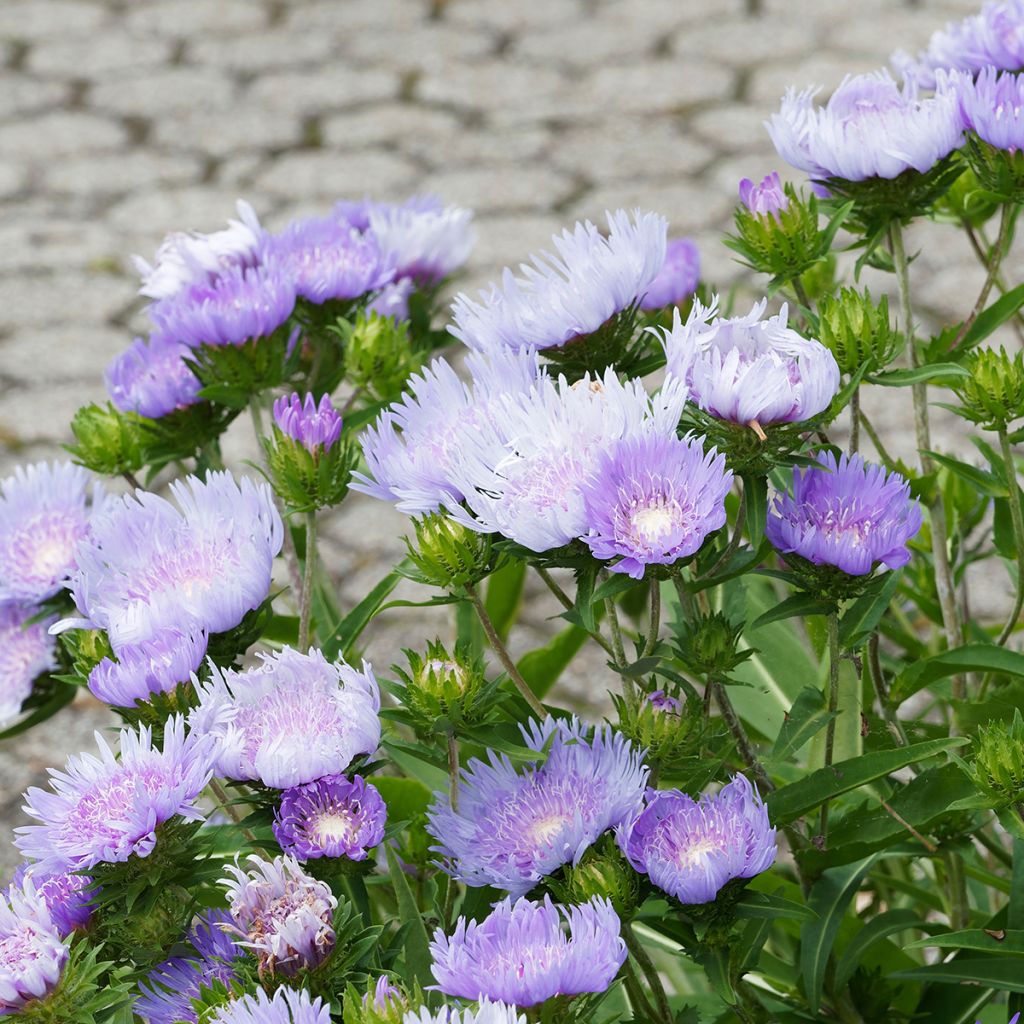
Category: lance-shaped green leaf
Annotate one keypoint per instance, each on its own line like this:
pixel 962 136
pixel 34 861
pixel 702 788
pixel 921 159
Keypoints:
pixel 807 717
pixel 417 944
pixel 1002 973
pixel 876 930
pixel 542 667
pixel 917 375
pixel 985 940
pixel 860 620
pixel 968 658
pixel 504 594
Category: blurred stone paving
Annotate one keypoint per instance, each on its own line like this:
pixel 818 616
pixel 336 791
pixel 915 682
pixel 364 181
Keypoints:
pixel 125 119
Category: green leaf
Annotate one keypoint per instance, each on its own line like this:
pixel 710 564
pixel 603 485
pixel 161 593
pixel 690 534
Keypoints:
pixel 789 802
pixel 616 584
pixel 755 497
pixel 969 658
pixel 917 375
pixel 347 631
pixel 988 320
pixel 1008 941
pixel 991 972
pixel 861 619
pixel 542 667
pixel 417 943
pixel 877 929
pixel 980 479
pixel 793 606
pixel 761 904
pixel 504 594
pixel 807 717
pixel 586 578
pixel 406 799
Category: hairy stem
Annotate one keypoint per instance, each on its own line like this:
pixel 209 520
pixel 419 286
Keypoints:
pixel 566 602
pixel 832 623
pixel 739 734
pixel 994 261
pixel 1017 518
pixel 655 623
pixel 308 582
pixel 893 724
pixel 646 964
pixel 453 769
pixel 855 420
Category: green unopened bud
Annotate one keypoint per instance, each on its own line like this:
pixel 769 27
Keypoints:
pixel 999 171
pixel 449 686
pixel 108 441
pixel 380 1002
pixel 999 760
pixel 378 355
pixel 993 392
pixel 670 729
pixel 604 873
pixel 86 648
pixel 708 645
pixel 309 479
pixel 966 201
pixel 857 330
pixel 448 555
pixel 783 241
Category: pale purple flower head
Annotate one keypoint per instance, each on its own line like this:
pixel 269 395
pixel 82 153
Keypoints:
pixel 750 367
pixel 186 258
pixel 678 277
pixel 64 894
pixel 152 378
pixel 293 719
pixel 26 652
pixel 870 128
pixel 148 567
pixel 992 38
pixel 515 825
pixel 384 994
pixel 485 1012
pixel 691 848
pixel 315 427
pixel 393 299
pixel 523 474
pixel 285 1006
pixel 324 258
pixel 653 500
pixel 285 915
pixel 850 514
pixel 330 817
pixel 32 955
pixel 44 515
pixel 524 952
pixel 560 298
pixel 412 449
pixel 156 665
pixel 767 198
pixel 105 809
pixel 661 701
pixel 993 107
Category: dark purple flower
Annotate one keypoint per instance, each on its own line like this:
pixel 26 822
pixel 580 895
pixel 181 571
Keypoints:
pixel 661 701
pixel 331 817
pixel 678 277
pixel 151 378
pixel 315 427
pixel 766 198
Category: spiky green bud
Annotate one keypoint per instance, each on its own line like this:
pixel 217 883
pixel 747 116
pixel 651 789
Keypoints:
pixel 857 330
pixel 379 356
pixel 380 1002
pixel 998 768
pixel 86 648
pixel 448 555
pixel 785 243
pixel 309 480
pixel 604 873
pixel 671 729
pixel 108 441
pixel 1000 172
pixel 439 685
pixel 708 645
pixel 992 394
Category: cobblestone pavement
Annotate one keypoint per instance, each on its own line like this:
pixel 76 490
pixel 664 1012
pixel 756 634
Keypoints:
pixel 124 119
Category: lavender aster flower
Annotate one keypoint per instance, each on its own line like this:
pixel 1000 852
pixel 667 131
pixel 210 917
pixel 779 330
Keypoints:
pixel 393 299
pixel 292 720
pixel 766 198
pixel 152 378
pixel 691 848
pixel 485 1012
pixel 993 108
pixel 32 955
pixel 43 517
pixel 514 826
pixel 284 914
pixel 426 240
pixel 653 500
pixel 751 367
pixel 850 514
pixel 316 427
pixel 148 568
pixel 525 952
pixel 104 810
pixel 870 128
pixel 285 1006
pixel 64 895
pixel 26 652
pixel 678 277
pixel 560 298
pixel 661 701
pixel 152 666
pixel 331 817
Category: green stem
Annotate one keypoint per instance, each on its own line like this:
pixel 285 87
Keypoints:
pixel 639 1003
pixel 229 809
pixel 655 624
pixel 832 624
pixel 801 293
pixel 1017 518
pixel 1017 320
pixel 869 429
pixel 618 651
pixel 308 582
pixel 453 769
pixel 133 482
pixel 739 734
pixel 566 602
pixel 646 964
pixel 956 883
pixel 894 725
pixel 734 541
pixel 994 262
pixel 855 420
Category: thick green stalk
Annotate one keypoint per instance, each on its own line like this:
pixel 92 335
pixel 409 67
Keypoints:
pixel 855 420
pixel 655 623
pixel 1017 518
pixel 453 769
pixel 646 964
pixel 308 582
pixel 994 261
pixel 832 623
pixel 739 734
pixel 894 725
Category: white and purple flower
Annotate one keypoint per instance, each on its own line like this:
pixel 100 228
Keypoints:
pixel 152 378
pixel 678 278
pixel 315 427
pixel 766 198
pixel 152 666
pixel 32 955
pixel 26 651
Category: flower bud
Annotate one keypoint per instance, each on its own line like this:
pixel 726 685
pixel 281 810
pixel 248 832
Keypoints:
pixel 439 685
pixel 602 873
pixel 993 391
pixel 378 355
pixel 670 729
pixel 381 1002
pixel 446 554
pixel 87 648
pixel 857 330
pixel 1000 172
pixel 708 645
pixel 108 441
pixel 999 760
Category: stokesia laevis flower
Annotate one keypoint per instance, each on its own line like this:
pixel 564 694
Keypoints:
pixel 678 277
pixel 285 1006
pixel 850 514
pixel 316 427
pixel 514 826
pixel 750 368
pixel 330 817
pixel 44 515
pixel 186 258
pixel 157 665
pixel 26 652
pixel 523 473
pixel 691 848
pixel 993 108
pixel 284 914
pixel 104 809
pixel 393 299
pixel 653 500
pixel 64 894
pixel 32 955
pixel 870 128
pixel 524 952
pixel 148 567
pixel 485 1012
pixel 411 450
pixel 568 296
pixel 768 197
pixel 152 378
pixel 293 719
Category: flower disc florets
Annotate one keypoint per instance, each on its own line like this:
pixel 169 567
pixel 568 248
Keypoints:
pixel 64 894
pixel 26 651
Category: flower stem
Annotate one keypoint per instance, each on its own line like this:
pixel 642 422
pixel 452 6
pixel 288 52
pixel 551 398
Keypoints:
pixel 894 725
pixel 655 625
pixel 734 541
pixel 869 429
pixel 739 734
pixel 453 769
pixel 646 964
pixel 566 602
pixel 832 623
pixel 1017 518
pixel 639 1003
pixel 855 420
pixel 994 261
pixel 956 884
pixel 619 652
pixel 308 581
pixel 229 809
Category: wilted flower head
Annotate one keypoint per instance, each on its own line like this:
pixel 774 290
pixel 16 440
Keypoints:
pixel 850 514
pixel 284 914
pixel 993 107
pixel 425 239
pixel 750 367
pixel 291 720
pixel 678 277
pixel 186 258
pixel 691 848
pixel 26 652
pixel 485 1012
pixel 152 378
pixel 523 474
pixel 104 809
pixel 285 1006
pixel 870 128
pixel 411 450
pixel 148 567
pixel 32 955
pixel 514 826
pixel 525 952
pixel 156 665
pixel 653 500
pixel 330 817
pixel 43 518
pixel 766 198
pixel 64 894
pixel 316 427
pixel 570 295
